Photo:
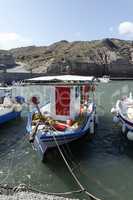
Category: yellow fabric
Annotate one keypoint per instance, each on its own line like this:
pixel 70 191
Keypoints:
pixel 37 116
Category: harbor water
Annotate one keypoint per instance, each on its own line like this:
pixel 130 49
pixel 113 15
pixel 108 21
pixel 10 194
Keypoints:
pixel 104 164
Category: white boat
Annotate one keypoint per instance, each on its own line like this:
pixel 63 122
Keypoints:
pixel 123 113
pixel 10 108
pixel 104 79
pixel 64 118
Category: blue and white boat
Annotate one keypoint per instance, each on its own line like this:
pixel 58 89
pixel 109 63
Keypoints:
pixel 10 108
pixel 68 116
pixel 123 113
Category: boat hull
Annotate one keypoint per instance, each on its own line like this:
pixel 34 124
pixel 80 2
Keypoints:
pixel 9 116
pixel 128 124
pixel 121 115
pixel 43 143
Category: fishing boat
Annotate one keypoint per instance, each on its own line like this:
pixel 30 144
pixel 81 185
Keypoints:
pixel 10 108
pixel 123 113
pixel 69 114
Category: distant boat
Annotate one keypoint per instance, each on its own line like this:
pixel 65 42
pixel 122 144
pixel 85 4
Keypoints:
pixel 64 118
pixel 10 108
pixel 104 79
pixel 123 113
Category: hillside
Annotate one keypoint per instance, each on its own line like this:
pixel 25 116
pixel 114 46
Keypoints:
pixel 99 57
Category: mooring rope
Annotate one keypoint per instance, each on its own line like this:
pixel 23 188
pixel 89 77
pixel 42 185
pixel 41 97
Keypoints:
pixel 70 169
pixel 24 188
pixel 55 193
pixel 72 173
pixel 69 155
pixel 82 188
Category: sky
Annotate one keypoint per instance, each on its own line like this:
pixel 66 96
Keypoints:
pixel 43 22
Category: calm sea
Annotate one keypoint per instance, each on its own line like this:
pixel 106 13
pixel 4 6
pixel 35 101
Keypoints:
pixel 104 165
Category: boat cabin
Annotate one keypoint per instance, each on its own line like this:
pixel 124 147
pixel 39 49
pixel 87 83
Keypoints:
pixel 66 93
pixel 65 102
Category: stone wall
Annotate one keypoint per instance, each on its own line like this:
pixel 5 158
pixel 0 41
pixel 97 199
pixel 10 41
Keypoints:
pixel 9 77
pixel 7 59
pixel 121 68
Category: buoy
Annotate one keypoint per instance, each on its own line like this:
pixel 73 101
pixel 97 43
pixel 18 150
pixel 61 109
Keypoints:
pixel 115 119
pixel 130 135
pixel 20 99
pixel 34 100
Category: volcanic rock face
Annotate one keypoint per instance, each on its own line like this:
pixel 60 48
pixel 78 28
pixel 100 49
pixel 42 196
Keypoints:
pixel 6 59
pixel 109 56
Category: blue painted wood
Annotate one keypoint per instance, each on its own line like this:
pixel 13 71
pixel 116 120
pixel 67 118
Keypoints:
pixel 9 116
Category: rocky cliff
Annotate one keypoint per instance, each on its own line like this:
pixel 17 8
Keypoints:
pixel 109 56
